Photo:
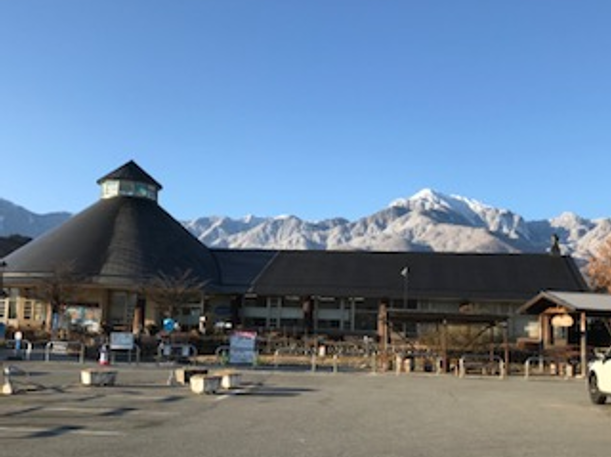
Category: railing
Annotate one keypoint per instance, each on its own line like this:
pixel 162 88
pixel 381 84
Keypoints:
pixel 554 366
pixel 171 351
pixel 484 363
pixel 135 348
pixel 65 348
pixel 17 346
pixel 426 361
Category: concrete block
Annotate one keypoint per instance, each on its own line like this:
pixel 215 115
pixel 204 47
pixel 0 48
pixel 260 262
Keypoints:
pixel 205 384
pixel 92 377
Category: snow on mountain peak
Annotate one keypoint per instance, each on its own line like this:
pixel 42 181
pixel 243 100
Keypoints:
pixel 465 211
pixel 431 200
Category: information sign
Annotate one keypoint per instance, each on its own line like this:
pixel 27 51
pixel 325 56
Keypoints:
pixel 242 347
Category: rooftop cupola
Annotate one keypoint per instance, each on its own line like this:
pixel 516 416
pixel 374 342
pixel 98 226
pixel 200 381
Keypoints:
pixel 129 180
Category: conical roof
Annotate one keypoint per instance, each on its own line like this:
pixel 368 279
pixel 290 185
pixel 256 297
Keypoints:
pixel 119 241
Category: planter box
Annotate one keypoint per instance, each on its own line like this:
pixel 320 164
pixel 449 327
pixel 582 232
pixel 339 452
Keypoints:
pixel 91 377
pixel 205 384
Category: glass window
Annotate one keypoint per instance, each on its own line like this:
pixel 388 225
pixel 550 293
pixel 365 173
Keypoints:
pixel 292 302
pixel 12 308
pixel 110 189
pixel 127 188
pixel 327 303
pixel 253 301
pixel 39 311
pixel 28 310
pixel 366 321
pixel 328 324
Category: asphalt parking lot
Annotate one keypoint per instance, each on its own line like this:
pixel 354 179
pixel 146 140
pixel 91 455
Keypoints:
pixel 300 414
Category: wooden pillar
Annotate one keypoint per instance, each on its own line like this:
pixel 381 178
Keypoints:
pixel 444 345
pixel 545 331
pixel 584 344
pixel 383 334
pixel 506 346
pixel 138 319
pixel 307 307
pixel 492 345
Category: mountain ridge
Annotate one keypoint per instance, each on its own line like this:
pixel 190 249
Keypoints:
pixel 427 221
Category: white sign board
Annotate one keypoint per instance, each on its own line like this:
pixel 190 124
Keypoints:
pixel 121 341
pixel 59 347
pixel 242 347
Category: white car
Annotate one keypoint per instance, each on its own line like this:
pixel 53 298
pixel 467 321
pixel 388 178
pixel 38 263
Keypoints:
pixel 599 378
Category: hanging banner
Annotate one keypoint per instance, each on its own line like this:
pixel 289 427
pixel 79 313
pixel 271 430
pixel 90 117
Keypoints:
pixel 242 347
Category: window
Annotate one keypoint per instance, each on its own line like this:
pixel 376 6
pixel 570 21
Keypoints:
pixel 12 308
pixel 39 311
pixel 253 301
pixel 28 310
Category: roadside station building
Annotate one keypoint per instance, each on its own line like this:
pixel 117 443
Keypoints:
pixel 117 246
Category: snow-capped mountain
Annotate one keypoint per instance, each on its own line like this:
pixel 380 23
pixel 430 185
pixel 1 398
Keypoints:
pixel 16 220
pixel 426 221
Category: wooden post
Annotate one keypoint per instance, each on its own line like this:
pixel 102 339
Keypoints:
pixel 444 344
pixel 506 346
pixel 584 344
pixel 383 334
pixel 545 332
pixel 492 345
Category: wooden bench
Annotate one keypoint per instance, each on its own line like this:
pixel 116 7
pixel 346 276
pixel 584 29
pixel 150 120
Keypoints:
pixel 183 375
pixel 97 377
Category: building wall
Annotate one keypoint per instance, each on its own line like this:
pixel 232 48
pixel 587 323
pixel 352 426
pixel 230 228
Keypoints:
pixel 356 315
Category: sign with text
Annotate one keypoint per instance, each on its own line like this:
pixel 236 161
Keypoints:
pixel 121 341
pixel 242 347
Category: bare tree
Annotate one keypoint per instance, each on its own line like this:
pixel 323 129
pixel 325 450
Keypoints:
pixel 56 289
pixel 173 291
pixel 599 267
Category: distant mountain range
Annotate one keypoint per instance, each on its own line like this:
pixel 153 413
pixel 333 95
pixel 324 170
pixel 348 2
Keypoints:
pixel 427 221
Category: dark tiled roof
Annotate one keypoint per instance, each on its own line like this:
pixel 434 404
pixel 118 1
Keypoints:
pixel 240 268
pixel 131 172
pixel 117 241
pixel 431 275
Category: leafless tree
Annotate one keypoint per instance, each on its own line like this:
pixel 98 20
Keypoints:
pixel 599 267
pixel 173 291
pixel 56 289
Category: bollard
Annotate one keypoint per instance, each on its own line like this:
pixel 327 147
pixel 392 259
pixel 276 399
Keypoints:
pixel 398 364
pixel 408 365
pixel 103 359
pixel 7 387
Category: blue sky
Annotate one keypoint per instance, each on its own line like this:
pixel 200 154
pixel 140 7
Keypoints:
pixel 316 108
